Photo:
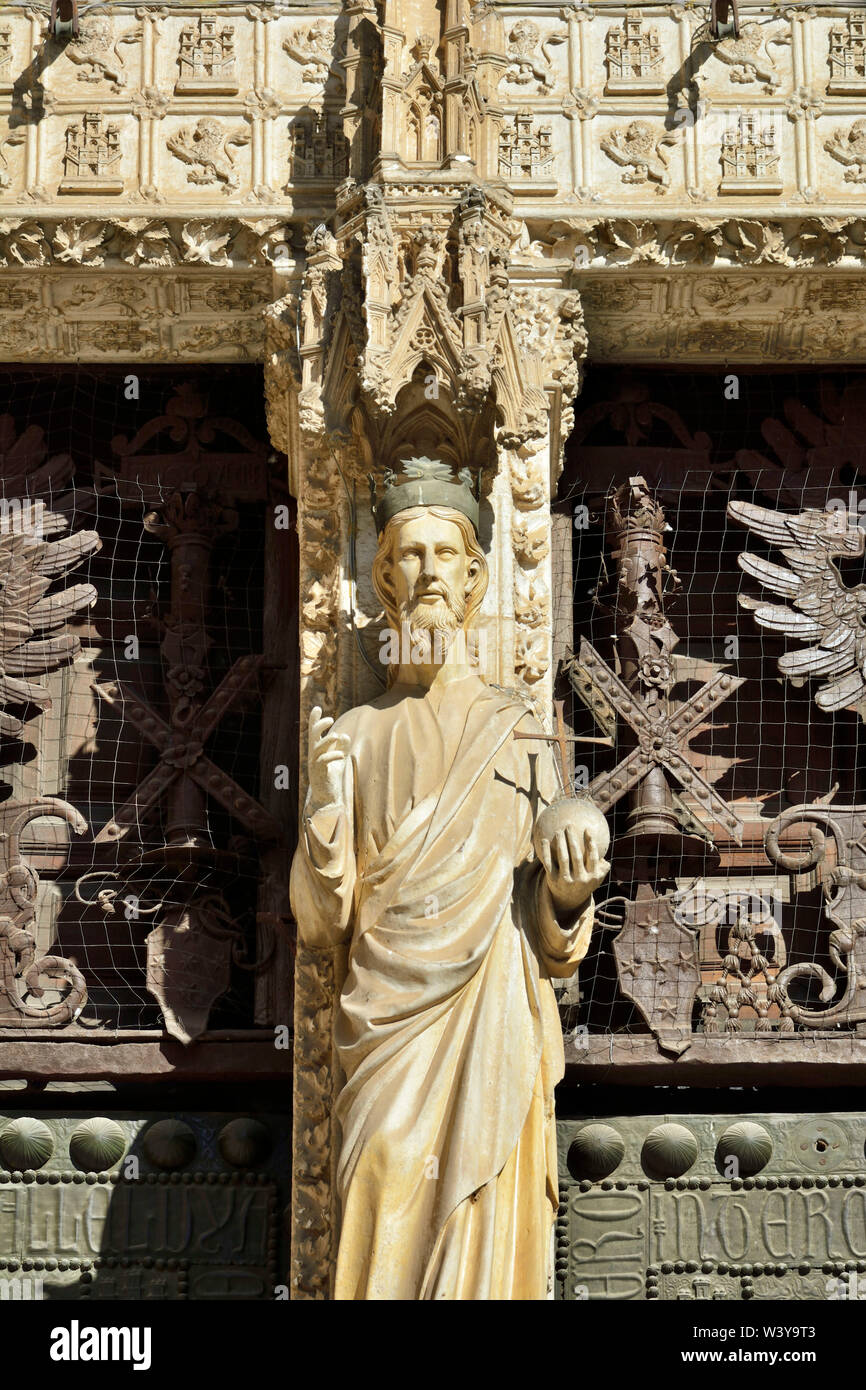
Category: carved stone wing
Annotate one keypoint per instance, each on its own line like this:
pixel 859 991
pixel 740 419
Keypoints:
pixel 821 609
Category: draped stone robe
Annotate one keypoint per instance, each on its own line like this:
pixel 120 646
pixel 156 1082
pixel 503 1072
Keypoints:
pixel 447 1027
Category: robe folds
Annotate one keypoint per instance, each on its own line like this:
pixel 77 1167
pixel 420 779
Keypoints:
pixel 447 1027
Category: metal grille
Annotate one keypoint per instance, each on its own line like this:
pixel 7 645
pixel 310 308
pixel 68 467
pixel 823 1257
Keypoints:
pixel 698 556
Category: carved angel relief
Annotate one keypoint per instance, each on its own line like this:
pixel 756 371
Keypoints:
pixel 33 641
pixel 820 608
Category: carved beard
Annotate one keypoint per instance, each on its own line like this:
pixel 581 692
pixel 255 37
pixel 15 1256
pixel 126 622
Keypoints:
pixel 432 626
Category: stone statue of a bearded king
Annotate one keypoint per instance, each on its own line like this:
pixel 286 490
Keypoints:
pixel 425 844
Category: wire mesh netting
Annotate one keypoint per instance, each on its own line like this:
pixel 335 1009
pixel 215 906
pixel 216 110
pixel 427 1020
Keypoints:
pixel 758 935
pixel 139 699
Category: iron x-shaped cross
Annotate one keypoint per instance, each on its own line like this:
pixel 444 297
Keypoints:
pixel 662 739
pixel 182 754
pixel 562 739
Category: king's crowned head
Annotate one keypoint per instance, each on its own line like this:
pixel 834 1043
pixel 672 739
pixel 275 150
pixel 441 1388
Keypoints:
pixel 425 482
pixel 429 570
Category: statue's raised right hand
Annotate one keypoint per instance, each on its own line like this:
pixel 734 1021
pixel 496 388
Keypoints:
pixel 326 756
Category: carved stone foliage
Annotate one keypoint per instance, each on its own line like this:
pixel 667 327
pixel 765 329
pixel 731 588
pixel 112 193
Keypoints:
pixel 313 1218
pixel 321 541
pixel 593 243
pixel 30 243
pixel 745 305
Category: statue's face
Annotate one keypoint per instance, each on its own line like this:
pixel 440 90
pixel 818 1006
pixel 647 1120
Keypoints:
pixel 431 569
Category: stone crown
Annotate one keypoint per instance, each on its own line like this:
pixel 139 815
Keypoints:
pixel 427 483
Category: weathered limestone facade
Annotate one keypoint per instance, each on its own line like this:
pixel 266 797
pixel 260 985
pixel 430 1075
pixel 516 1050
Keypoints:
pixel 421 218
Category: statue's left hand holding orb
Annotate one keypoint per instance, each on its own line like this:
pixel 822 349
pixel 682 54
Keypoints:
pixel 571 838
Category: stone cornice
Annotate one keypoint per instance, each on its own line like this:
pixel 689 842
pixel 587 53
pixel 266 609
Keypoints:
pixel 583 245
pixel 152 243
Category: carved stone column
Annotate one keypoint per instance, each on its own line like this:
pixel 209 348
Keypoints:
pixel 408 330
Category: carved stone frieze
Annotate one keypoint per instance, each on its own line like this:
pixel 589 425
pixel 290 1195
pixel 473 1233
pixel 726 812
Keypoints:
pixel 439 96
pixel 313 1214
pixel 583 248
